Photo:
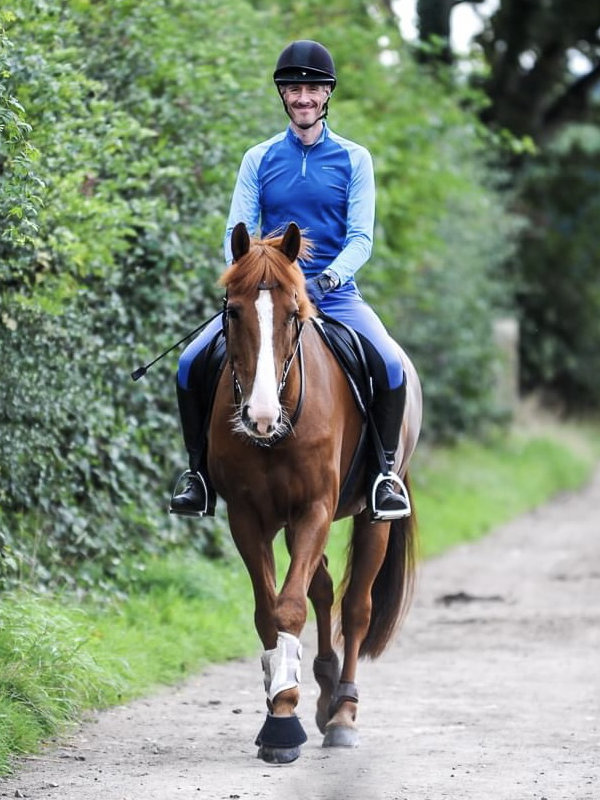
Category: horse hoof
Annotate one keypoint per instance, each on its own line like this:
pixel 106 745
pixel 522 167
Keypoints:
pixel 279 739
pixel 340 736
pixel 278 755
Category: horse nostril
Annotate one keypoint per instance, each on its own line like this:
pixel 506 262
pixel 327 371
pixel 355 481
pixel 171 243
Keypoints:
pixel 246 418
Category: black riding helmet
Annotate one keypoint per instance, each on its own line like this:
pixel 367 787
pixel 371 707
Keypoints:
pixel 305 61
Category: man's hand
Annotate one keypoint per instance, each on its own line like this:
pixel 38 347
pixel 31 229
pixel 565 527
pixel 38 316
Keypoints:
pixel 320 285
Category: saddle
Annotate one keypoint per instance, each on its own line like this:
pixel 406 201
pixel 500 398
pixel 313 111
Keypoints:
pixel 348 351
pixel 345 345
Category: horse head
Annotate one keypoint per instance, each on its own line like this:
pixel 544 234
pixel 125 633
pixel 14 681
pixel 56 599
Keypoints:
pixel 265 307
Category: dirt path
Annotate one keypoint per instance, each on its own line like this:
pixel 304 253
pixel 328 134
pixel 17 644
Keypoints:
pixel 494 693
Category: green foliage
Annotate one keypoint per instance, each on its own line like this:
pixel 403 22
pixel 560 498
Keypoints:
pixel 59 657
pixel 125 124
pixel 20 186
pixel 465 490
pixel 132 114
pixel 557 275
pixel 48 674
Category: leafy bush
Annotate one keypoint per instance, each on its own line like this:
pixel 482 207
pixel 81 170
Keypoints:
pixel 125 126
pixel 132 114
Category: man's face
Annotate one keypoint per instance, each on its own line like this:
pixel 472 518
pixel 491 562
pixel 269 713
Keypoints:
pixel 305 101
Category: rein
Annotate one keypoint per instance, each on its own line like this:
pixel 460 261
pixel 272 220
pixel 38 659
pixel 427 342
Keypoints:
pixel 297 353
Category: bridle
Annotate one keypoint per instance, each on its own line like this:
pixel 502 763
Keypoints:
pixel 296 354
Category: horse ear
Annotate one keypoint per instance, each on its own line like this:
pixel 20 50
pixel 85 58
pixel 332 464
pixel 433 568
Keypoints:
pixel 291 241
pixel 240 241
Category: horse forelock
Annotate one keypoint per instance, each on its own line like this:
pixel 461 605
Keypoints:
pixel 266 264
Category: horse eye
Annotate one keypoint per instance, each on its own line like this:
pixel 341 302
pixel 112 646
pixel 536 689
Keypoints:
pixel 291 317
pixel 232 312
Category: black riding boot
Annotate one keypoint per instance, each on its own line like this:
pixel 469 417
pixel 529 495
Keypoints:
pixel 388 494
pixel 198 498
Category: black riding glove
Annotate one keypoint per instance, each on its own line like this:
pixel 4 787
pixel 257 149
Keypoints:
pixel 320 285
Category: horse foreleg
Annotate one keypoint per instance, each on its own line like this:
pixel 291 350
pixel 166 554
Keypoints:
pixel 281 735
pixel 369 548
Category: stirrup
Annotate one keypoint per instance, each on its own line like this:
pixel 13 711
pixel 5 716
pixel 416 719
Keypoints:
pixel 400 513
pixel 192 513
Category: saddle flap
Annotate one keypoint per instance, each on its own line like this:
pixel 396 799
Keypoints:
pixel 348 351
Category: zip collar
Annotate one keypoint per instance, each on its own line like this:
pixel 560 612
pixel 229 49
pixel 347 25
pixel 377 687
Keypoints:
pixel 297 141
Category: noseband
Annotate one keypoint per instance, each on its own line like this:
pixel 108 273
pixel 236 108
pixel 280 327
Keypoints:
pixel 296 353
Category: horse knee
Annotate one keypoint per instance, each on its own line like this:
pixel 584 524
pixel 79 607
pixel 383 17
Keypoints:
pixel 290 614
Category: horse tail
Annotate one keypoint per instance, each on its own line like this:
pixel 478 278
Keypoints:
pixel 392 590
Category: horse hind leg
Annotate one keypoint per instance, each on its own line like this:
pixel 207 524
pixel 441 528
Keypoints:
pixel 326 666
pixel 366 557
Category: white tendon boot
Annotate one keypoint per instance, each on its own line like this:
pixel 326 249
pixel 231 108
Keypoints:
pixel 280 737
pixel 281 666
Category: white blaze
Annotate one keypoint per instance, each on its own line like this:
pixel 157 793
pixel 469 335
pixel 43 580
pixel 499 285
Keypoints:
pixel 263 405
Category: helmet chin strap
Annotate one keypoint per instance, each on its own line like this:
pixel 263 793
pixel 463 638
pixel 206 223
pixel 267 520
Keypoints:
pixel 308 126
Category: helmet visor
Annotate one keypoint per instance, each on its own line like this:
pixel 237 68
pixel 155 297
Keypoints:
pixel 282 77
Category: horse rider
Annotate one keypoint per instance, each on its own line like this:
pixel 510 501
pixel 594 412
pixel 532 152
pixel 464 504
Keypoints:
pixel 325 183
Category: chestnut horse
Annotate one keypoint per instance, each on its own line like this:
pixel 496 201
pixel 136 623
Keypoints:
pixel 282 436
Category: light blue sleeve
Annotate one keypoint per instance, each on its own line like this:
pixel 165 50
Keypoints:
pixel 361 215
pixel 245 201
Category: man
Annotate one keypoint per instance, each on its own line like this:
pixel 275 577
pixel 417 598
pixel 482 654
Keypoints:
pixel 324 183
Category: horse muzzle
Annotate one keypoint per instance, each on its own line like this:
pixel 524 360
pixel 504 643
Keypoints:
pixel 261 423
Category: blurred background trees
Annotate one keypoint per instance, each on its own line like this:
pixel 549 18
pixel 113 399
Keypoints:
pixel 121 129
pixel 538 64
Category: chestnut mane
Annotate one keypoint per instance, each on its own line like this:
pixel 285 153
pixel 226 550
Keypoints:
pixel 266 263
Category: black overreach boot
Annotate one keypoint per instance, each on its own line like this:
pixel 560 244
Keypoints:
pixel 388 494
pixel 198 498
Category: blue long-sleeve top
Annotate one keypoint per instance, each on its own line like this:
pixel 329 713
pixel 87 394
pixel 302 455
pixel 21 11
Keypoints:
pixel 327 188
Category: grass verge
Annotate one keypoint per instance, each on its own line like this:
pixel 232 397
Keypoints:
pixel 59 657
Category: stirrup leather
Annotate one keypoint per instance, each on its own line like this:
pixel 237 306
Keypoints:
pixel 192 513
pixel 400 513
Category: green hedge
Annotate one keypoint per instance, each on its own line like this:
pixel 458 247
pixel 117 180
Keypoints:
pixel 131 113
pixel 123 128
